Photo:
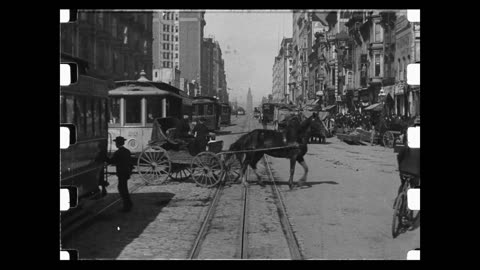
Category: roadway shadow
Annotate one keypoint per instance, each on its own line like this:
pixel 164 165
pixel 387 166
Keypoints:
pixel 222 132
pixel 108 234
pixel 285 183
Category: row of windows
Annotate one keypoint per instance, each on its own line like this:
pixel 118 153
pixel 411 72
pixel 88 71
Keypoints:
pixel 166 28
pixel 170 15
pixel 200 109
pixel 167 55
pixel 169 46
pixel 133 109
pixel 168 64
pixel 88 114
pixel 166 37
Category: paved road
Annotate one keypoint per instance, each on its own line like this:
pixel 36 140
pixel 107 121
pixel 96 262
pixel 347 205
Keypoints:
pixel 345 214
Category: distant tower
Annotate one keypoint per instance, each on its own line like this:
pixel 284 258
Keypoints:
pixel 249 101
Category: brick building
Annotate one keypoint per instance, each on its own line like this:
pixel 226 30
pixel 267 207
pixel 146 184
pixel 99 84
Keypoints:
pixel 117 45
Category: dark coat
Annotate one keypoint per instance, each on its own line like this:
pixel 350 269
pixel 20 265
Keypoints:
pixel 121 158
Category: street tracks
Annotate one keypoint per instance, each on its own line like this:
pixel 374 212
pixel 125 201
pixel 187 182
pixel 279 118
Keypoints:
pixel 231 222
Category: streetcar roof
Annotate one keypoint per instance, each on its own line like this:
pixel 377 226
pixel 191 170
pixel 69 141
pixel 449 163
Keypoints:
pixel 141 89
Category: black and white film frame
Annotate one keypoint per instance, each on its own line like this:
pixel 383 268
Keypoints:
pixel 68 75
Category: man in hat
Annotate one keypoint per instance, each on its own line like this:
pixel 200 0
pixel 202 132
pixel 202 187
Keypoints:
pixel 121 158
pixel 201 133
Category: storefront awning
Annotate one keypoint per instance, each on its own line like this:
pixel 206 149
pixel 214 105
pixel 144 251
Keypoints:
pixel 375 107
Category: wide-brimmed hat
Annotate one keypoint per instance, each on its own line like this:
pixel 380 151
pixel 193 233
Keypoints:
pixel 119 139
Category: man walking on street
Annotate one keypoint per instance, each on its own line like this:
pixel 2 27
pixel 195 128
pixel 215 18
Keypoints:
pixel 121 158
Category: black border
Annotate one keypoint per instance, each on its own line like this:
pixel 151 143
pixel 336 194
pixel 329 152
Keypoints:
pixel 44 45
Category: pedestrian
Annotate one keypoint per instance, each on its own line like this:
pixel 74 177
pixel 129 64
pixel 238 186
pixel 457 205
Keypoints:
pixel 122 159
pixel 264 122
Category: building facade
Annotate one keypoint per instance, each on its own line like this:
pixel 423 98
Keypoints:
pixel 191 30
pixel 355 55
pixel 117 45
pixel 166 60
pixel 281 72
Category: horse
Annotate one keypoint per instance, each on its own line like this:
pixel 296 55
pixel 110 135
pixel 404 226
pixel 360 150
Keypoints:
pixel 293 138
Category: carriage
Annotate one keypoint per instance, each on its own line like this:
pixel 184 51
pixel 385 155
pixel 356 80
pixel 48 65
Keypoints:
pixel 168 156
pixel 386 133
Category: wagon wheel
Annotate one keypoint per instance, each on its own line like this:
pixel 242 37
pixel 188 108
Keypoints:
pixel 231 166
pixel 388 139
pixel 181 173
pixel 206 169
pixel 154 165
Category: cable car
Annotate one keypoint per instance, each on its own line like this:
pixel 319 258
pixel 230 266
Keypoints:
pixel 208 108
pixel 225 114
pixel 85 105
pixel 135 104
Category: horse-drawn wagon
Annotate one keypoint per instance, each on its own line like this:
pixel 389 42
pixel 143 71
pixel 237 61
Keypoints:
pixel 169 155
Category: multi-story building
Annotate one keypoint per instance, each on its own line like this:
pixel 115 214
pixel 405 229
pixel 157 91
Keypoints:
pixel 117 45
pixel 166 59
pixel 192 24
pixel 213 80
pixel 407 97
pixel 281 72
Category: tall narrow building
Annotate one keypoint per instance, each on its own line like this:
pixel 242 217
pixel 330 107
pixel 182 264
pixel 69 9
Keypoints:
pixel 249 101
pixel 191 26
pixel 166 61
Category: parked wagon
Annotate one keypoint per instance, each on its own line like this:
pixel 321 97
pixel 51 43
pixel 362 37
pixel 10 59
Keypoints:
pixel 168 156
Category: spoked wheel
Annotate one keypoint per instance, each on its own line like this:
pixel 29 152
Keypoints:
pixel 154 165
pixel 400 209
pixel 181 173
pixel 388 139
pixel 206 169
pixel 232 167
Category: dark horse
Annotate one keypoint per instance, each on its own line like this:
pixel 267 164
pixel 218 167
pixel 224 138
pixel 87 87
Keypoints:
pixel 293 137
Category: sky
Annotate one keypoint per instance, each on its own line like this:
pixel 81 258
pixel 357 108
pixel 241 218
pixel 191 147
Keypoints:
pixel 249 40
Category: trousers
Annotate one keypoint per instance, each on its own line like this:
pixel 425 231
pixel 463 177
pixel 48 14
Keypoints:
pixel 123 191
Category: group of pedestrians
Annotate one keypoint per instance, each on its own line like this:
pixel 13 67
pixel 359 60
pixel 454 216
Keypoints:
pixel 369 121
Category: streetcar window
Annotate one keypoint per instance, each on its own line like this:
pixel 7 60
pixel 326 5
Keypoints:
pixel 89 116
pixel 96 117
pixel 154 108
pixel 199 109
pixel 80 115
pixel 69 102
pixel 209 109
pixel 115 110
pixel 133 110
pixel 63 115
pixel 103 114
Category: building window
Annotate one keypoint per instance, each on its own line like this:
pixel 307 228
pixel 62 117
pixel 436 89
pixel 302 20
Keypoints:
pixel 176 16
pixel 176 28
pixel 145 47
pixel 377 65
pixel 133 110
pixel 378 33
pixel 176 38
pixel 176 56
pixel 176 47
